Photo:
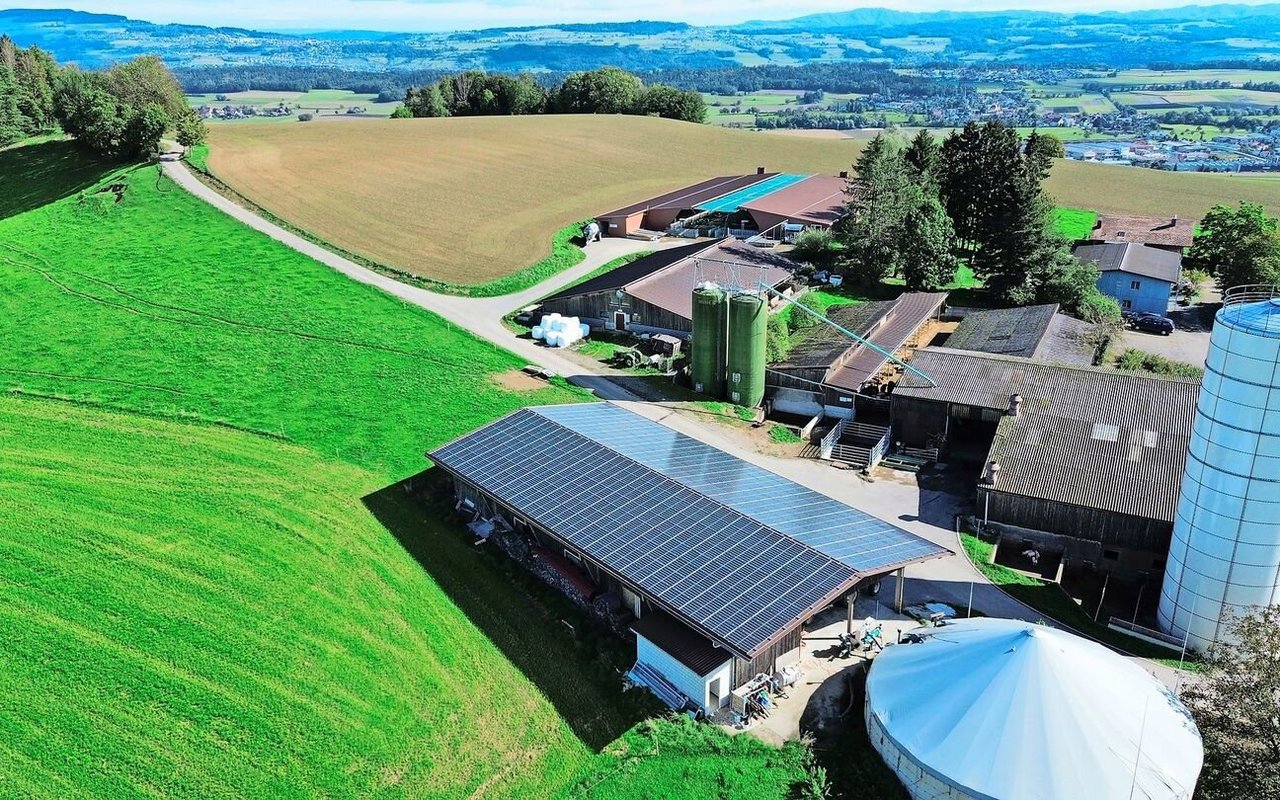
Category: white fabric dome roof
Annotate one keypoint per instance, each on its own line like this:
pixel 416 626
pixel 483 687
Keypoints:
pixel 1008 710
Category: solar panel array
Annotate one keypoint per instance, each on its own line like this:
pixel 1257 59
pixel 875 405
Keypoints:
pixel 736 551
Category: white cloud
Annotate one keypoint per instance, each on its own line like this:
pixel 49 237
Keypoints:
pixel 434 15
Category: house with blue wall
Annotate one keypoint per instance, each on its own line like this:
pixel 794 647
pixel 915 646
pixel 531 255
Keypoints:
pixel 1141 278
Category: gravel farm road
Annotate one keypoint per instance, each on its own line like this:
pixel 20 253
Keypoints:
pixel 947 579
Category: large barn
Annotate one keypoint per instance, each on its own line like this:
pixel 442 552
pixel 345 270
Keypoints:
pixel 720 562
pixel 760 201
pixel 655 294
pixel 1086 460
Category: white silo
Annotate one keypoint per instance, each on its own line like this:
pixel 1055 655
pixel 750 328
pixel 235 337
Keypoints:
pixel 1225 551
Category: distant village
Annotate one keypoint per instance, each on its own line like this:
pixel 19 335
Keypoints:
pixel 228 110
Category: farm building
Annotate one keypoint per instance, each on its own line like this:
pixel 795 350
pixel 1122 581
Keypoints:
pixel 1140 277
pixel 1164 233
pixel 1039 332
pixel 1084 460
pixel 996 708
pixel 825 369
pixel 759 202
pixel 655 294
pixel 718 563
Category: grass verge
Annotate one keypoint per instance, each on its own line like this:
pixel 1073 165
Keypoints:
pixel 1134 360
pixel 1074 224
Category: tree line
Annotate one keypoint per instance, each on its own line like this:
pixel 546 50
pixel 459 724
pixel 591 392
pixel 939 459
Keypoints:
pixel 119 113
pixel 608 90
pixel 920 209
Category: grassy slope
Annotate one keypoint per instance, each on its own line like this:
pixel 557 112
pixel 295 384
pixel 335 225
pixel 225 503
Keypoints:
pixel 195 611
pixel 1074 223
pixel 468 200
pixel 1132 190
pixel 161 303
pixel 234 615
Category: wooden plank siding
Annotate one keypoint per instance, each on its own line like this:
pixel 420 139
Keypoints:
pixel 1107 528
pixel 597 310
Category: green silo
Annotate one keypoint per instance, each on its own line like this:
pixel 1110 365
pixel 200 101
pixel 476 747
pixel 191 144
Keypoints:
pixel 710 339
pixel 747 320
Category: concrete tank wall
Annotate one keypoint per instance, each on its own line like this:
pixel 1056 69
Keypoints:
pixel 1225 551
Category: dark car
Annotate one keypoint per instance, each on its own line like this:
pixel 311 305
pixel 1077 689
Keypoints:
pixel 1151 323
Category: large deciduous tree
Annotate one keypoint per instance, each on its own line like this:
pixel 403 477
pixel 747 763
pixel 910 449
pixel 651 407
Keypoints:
pixel 1236 704
pixel 1237 246
pixel 607 90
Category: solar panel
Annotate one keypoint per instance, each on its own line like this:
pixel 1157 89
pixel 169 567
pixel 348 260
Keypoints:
pixel 738 551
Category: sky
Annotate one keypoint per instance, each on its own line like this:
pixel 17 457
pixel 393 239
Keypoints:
pixel 436 15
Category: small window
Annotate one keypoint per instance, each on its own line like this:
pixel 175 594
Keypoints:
pixel 1111 555
pixel 1135 285
pixel 1127 304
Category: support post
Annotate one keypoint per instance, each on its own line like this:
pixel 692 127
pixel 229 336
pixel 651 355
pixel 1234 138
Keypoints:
pixel 897 589
pixel 848 624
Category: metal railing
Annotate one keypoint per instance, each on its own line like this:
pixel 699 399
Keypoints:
pixel 1250 293
pixel 829 442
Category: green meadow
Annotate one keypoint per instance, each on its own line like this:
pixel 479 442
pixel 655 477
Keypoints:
pixel 216 583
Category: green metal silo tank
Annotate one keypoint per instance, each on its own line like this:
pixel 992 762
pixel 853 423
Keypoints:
pixel 747 321
pixel 710 339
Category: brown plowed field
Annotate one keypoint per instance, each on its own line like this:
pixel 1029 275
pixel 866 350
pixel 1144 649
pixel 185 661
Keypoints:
pixel 469 200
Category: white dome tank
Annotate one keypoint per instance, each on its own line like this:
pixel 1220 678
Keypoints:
pixel 1225 551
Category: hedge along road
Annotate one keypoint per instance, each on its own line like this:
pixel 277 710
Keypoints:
pixel 946 579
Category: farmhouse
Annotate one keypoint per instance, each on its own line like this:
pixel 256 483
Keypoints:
pixel 1039 332
pixel 1165 233
pixel 1087 461
pixel 1142 278
pixel 720 563
pixel 655 294
pixel 752 202
pixel 826 369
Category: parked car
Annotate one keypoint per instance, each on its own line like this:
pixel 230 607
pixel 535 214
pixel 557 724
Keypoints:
pixel 1151 323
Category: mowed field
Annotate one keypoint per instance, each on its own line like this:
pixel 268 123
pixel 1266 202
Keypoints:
pixel 193 611
pixel 468 200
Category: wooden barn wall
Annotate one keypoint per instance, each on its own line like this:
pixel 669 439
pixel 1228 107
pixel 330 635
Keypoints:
pixel 806 380
pixel 590 306
pixel 652 316
pixel 1108 528
pixel 916 421
pixel 602 305
pixel 744 671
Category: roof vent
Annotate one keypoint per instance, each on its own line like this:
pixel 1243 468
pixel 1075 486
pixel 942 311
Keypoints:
pixel 1015 404
pixel 759 170
pixel 844 174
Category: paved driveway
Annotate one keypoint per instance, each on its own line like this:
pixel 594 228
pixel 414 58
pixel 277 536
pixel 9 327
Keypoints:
pixel 1190 347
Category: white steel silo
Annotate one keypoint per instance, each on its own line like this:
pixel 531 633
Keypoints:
pixel 1225 553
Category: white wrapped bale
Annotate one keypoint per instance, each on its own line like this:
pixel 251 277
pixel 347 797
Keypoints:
pixel 537 332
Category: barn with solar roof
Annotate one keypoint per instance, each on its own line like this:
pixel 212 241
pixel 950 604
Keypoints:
pixel 719 562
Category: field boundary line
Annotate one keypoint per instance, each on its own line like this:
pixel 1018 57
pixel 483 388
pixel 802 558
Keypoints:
pixel 520 280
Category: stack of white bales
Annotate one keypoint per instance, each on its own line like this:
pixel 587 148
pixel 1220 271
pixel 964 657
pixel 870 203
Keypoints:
pixel 558 331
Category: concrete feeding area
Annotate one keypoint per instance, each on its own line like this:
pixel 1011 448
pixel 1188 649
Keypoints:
pixel 991 708
pixel 713 563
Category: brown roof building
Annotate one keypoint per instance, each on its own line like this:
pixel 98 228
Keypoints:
pixel 1091 457
pixel 816 201
pixel 659 213
pixel 655 293
pixel 831 368
pixel 1167 233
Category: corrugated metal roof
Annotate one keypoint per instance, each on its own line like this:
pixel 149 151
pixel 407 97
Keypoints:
pixel 1135 259
pixel 818 199
pixel 688 197
pixel 630 273
pixel 861 363
pixel 1026 332
pixel 821 345
pixel 729 263
pixel 1091 436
